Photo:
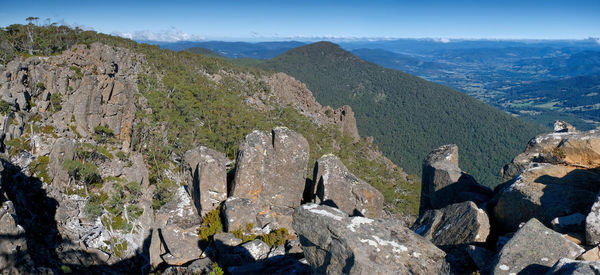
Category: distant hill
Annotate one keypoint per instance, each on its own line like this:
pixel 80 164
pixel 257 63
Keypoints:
pixel 408 116
pixel 204 51
pixel 261 50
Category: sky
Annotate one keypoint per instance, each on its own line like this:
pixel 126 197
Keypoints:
pixel 309 19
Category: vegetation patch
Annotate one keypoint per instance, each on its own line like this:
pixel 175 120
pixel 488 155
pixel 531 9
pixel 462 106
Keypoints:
pixel 211 225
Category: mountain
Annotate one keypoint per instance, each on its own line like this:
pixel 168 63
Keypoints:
pixel 204 51
pixel 260 50
pixel 406 115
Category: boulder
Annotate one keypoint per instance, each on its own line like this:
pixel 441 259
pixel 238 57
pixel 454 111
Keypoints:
pixel 567 266
pixel 481 257
pixel 335 243
pixel 13 243
pixel 200 266
pixel 225 244
pixel 456 224
pixel 592 224
pixel 546 191
pixel 254 250
pixel 562 127
pixel 335 186
pixel 444 183
pixel 534 249
pixel 62 149
pixel 270 171
pixel 237 213
pixel 571 223
pixel 590 255
pixel 207 177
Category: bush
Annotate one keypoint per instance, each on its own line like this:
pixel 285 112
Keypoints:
pixel 103 133
pixel 134 211
pixel 211 225
pixel 55 102
pixel 135 191
pixel 41 85
pixel 276 237
pixel 4 107
pixel 84 171
pixel 162 193
pixel 122 156
pixel 39 167
pixel 78 73
pixel 93 208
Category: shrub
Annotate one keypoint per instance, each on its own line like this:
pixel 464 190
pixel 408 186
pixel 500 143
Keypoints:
pixel 103 133
pixel 122 156
pixel 55 102
pixel 135 191
pixel 211 225
pixel 4 107
pixel 39 167
pixel 41 85
pixel 162 193
pixel 276 237
pixel 93 208
pixel 84 171
pixel 134 211
pixel 78 73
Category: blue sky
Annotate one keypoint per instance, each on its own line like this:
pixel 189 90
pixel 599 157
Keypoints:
pixel 305 19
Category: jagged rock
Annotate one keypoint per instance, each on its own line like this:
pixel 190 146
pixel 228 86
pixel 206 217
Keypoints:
pixel 533 250
pixel 590 255
pixel 444 183
pixel 577 149
pixel 592 224
pixel 335 243
pixel 13 243
pixel 207 177
pixel 481 257
pixel 562 127
pixel 571 223
pixel 571 267
pixel 460 223
pixel 62 149
pixel 177 224
pixel 270 171
pixel 334 185
pixel 277 251
pixel 200 266
pixel 225 244
pixel 344 119
pixel 546 191
pixel 293 247
pixel 237 213
pixel 283 265
pixel 254 250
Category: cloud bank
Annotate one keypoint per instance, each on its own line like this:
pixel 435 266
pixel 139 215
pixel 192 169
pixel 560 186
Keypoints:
pixel 169 35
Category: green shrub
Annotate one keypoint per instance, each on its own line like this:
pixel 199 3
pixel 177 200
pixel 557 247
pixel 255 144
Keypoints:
pixel 135 191
pixel 162 193
pixel 93 208
pixel 217 270
pixel 55 102
pixel 17 145
pixel 41 85
pixel 276 237
pixel 122 156
pixel 78 73
pixel 84 171
pixel 211 225
pixel 134 211
pixel 39 167
pixel 65 269
pixel 103 133
pixel 4 107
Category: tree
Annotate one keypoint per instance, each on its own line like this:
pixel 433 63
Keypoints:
pixel 31 19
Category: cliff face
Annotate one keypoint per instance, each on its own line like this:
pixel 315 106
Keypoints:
pixel 76 194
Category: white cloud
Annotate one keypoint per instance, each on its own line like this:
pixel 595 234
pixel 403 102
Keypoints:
pixel 442 40
pixel 169 35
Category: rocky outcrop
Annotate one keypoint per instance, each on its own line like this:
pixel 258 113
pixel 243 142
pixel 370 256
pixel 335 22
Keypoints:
pixel 444 183
pixel 207 177
pixel 334 185
pixel 534 249
pixel 567 266
pixel 13 244
pixel 592 224
pixel 456 224
pixel 335 243
pixel 562 127
pixel 270 171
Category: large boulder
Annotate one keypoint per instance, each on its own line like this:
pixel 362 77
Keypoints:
pixel 271 172
pixel 592 224
pixel 334 185
pixel 444 183
pixel 534 249
pixel 546 191
pixel 207 177
pixel 567 266
pixel 13 242
pixel 456 224
pixel 335 243
pixel 62 149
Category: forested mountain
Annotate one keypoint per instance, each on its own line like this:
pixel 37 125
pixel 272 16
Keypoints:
pixel 408 116
pixel 260 50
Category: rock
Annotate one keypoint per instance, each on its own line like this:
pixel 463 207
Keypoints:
pixel 590 255
pixel 293 247
pixel 546 191
pixel 270 171
pixel 283 265
pixel 254 250
pixel 277 251
pixel 225 243
pixel 444 183
pixel 460 223
pixel 567 266
pixel 571 223
pixel 334 185
pixel 237 213
pixel 335 243
pixel 182 245
pixel 592 224
pixel 562 127
pixel 481 257
pixel 62 149
pixel 533 250
pixel 13 243
pixel 200 266
pixel 207 177
pixel 344 119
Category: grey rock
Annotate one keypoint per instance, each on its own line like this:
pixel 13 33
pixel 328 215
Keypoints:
pixel 13 247
pixel 592 224
pixel 62 149
pixel 460 223
pixel 293 247
pixel 481 257
pixel 546 191
pixel 225 244
pixel 534 249
pixel 571 223
pixel 207 177
pixel 562 127
pixel 238 213
pixel 200 266
pixel 270 171
pixel 254 250
pixel 444 183
pixel 277 251
pixel 335 243
pixel 334 185
pixel 567 266
pixel 283 265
